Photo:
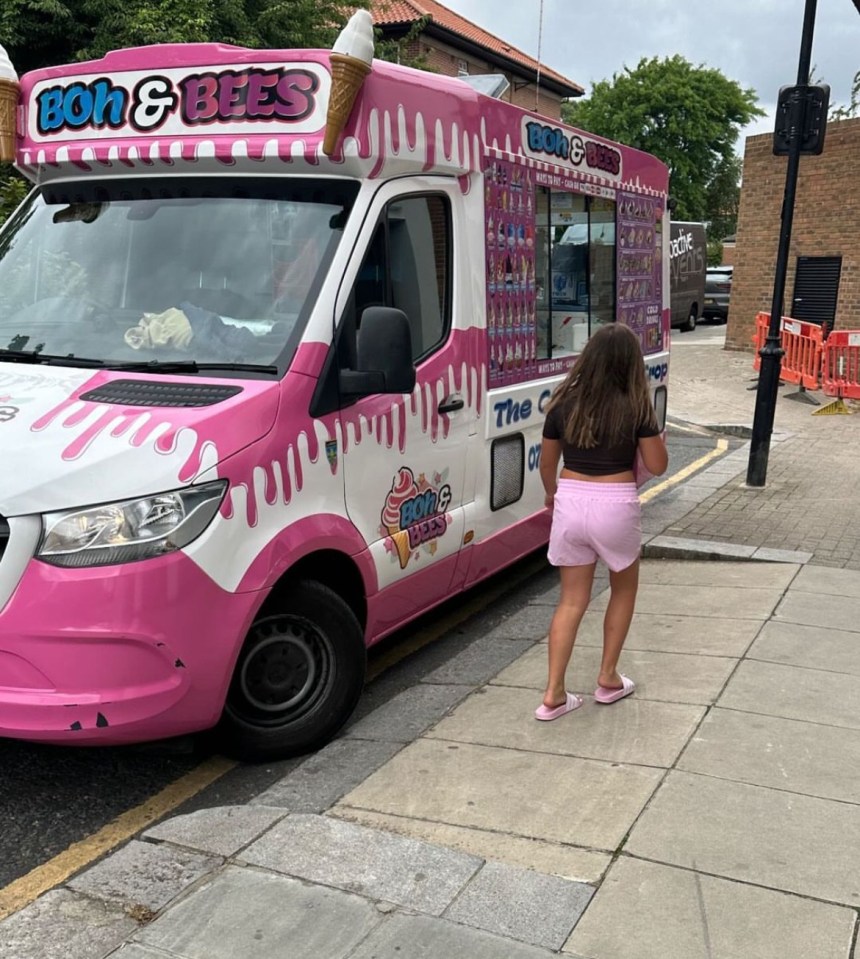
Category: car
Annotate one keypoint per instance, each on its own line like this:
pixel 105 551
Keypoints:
pixel 718 288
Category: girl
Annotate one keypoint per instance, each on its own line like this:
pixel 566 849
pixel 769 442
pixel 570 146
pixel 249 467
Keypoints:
pixel 598 420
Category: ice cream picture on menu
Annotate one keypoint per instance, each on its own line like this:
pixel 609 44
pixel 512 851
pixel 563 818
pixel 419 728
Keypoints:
pixel 351 61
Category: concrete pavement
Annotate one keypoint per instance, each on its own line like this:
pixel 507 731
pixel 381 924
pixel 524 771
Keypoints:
pixel 714 814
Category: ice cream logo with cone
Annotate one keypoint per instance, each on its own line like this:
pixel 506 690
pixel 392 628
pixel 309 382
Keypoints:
pixel 414 514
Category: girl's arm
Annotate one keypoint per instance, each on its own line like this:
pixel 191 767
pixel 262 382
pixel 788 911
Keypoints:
pixel 654 454
pixel 550 455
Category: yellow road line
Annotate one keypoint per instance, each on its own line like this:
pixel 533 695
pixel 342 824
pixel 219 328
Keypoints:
pixel 694 467
pixel 57 870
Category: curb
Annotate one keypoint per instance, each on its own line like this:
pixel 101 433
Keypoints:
pixel 678 547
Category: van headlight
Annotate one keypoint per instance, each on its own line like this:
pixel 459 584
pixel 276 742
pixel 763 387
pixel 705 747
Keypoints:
pixel 131 530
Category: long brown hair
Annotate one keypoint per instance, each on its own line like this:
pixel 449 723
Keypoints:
pixel 604 398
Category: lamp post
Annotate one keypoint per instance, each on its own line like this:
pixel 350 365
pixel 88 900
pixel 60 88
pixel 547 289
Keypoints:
pixel 771 353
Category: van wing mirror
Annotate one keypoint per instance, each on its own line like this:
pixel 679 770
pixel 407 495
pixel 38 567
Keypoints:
pixel 384 351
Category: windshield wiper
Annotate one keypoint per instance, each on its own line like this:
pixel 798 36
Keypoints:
pixel 51 359
pixel 191 366
pixel 144 366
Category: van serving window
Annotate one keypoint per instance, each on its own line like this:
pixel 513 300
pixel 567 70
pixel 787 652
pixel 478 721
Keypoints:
pixel 575 269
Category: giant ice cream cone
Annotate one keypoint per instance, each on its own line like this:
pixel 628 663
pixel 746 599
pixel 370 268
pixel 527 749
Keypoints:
pixel 10 91
pixel 351 60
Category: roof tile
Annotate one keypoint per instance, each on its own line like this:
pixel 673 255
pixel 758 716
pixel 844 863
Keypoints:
pixel 393 12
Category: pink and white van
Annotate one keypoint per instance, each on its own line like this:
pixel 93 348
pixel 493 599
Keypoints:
pixel 263 403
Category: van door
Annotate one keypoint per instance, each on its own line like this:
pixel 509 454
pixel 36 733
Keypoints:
pixel 405 456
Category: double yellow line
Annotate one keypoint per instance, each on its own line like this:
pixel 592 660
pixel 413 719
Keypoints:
pixel 55 871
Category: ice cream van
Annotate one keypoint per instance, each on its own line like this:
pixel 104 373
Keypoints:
pixel 277 332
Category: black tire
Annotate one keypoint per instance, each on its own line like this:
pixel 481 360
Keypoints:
pixel 297 679
pixel 690 323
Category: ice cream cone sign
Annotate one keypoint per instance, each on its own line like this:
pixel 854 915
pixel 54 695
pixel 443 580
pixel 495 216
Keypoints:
pixel 10 91
pixel 351 60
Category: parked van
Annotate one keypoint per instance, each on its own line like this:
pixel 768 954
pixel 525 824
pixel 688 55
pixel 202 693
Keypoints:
pixel 688 262
pixel 273 373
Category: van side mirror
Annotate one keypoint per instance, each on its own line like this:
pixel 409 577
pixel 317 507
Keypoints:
pixel 384 352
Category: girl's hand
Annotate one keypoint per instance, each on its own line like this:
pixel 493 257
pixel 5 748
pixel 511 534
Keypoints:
pixel 549 500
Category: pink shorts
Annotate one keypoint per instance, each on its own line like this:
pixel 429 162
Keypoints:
pixel 592 521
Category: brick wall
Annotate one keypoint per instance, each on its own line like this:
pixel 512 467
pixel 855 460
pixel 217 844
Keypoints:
pixel 826 223
pixel 443 59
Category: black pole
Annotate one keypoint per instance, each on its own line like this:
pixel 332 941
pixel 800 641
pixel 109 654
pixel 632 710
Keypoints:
pixel 771 353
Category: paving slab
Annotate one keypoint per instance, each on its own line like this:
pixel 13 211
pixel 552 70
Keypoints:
pixel 242 912
pixel 666 677
pixel 763 836
pixel 648 911
pixel 682 573
pixel 819 579
pixel 531 622
pixel 686 598
pixel 511 792
pixel 63 925
pixel 318 782
pixel 479 662
pixel 420 937
pixel 219 830
pixel 144 874
pixel 833 650
pixel 819 609
pixel 521 904
pixel 695 635
pixel 376 864
pixel 807 758
pixel 406 715
pixel 636 731
pixel 811 695
pixel 552 858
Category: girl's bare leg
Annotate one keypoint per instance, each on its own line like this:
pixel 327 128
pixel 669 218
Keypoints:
pixel 623 587
pixel 576 584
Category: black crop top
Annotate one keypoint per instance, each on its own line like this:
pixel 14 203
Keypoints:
pixel 600 460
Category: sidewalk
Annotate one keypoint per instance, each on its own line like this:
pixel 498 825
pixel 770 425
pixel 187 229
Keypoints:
pixel 713 815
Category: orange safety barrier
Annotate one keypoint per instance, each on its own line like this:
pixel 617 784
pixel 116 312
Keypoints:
pixel 802 345
pixel 841 364
pixel 762 321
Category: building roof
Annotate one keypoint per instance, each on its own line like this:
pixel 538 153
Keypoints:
pixel 403 13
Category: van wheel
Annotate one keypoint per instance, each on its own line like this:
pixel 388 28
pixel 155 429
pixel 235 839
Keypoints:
pixel 298 677
pixel 690 325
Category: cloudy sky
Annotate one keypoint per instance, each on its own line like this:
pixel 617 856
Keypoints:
pixel 755 42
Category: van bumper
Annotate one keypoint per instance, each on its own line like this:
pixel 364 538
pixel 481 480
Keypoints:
pixel 118 654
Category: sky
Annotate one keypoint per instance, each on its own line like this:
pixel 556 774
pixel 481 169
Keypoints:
pixel 755 42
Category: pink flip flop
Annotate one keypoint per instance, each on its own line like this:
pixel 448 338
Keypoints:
pixel 604 695
pixel 570 703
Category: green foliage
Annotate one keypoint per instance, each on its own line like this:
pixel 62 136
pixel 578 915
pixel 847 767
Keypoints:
pixel 690 117
pixel 844 111
pixel 715 252
pixel 13 189
pixel 39 33
pixel 403 50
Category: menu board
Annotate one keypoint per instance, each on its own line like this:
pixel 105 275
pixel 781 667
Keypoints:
pixel 510 272
pixel 639 270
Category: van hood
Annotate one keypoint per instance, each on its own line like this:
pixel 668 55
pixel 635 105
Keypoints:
pixel 71 438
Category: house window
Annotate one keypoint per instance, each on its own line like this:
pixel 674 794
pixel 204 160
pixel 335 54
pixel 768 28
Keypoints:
pixel 462 68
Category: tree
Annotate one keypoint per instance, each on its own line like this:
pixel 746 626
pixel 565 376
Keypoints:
pixel 690 117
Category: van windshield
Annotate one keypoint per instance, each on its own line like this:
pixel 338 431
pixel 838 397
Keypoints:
pixel 174 271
